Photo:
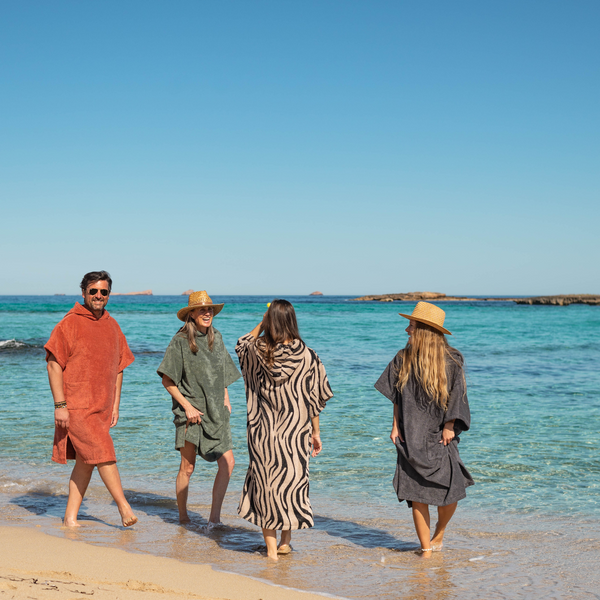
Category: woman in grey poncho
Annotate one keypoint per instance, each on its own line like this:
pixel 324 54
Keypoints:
pixel 426 383
pixel 196 371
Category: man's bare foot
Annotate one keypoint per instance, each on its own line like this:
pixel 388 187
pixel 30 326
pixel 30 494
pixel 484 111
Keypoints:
pixel 127 517
pixel 184 519
pixel 272 556
pixel 130 521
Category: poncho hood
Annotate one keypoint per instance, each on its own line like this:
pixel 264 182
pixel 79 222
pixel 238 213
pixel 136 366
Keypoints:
pixel 81 311
pixel 287 359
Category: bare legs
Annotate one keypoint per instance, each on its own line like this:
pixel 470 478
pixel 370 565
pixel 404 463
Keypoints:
pixel 273 550
pixel 112 480
pixel 444 515
pixel 226 464
pixel 78 484
pixel 422 525
pixel 182 484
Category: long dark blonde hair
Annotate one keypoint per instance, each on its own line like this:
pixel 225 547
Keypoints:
pixel 191 330
pixel 425 356
pixel 279 325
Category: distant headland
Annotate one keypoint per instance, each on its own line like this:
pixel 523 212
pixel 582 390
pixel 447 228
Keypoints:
pixel 144 293
pixel 561 300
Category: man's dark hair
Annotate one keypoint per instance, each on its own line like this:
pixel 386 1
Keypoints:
pixel 93 276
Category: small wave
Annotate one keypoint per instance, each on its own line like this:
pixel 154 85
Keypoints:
pixel 11 344
pixel 19 346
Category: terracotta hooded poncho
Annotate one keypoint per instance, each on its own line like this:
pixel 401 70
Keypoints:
pixel 91 352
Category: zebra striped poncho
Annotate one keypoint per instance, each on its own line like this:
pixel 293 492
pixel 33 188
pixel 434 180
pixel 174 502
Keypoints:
pixel 282 399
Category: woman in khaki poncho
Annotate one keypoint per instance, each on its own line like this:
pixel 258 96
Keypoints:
pixel 196 371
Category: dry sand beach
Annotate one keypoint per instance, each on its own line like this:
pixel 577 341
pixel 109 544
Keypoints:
pixel 36 565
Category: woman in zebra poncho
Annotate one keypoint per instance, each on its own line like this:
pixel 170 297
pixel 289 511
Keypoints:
pixel 286 389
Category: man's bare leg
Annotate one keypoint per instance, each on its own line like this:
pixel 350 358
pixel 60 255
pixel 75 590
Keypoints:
pixel 182 483
pixel 112 480
pixel 78 484
pixel 444 515
pixel 226 464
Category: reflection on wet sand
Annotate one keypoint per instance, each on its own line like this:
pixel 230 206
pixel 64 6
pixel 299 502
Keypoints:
pixel 370 558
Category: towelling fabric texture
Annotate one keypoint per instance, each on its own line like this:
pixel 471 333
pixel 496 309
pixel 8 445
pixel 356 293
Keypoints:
pixel 427 471
pixel 201 378
pixel 91 352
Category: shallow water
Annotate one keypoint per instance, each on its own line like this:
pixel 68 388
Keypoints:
pixel 528 528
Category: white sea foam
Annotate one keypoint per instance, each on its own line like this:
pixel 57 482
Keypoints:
pixel 11 344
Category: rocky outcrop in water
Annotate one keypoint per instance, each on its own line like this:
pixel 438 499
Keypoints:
pixel 187 292
pixel 563 300
pixel 316 294
pixel 408 297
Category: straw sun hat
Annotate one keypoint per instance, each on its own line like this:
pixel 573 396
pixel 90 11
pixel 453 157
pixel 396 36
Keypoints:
pixel 429 314
pixel 198 300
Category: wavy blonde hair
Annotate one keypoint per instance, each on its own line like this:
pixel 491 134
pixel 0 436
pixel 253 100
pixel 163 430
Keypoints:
pixel 190 330
pixel 425 356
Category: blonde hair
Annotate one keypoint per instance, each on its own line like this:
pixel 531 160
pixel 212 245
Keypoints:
pixel 425 357
pixel 190 330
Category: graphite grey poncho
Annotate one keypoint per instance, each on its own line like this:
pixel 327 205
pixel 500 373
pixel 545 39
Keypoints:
pixel 427 471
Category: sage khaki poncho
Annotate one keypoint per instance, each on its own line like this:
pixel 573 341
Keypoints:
pixel 202 379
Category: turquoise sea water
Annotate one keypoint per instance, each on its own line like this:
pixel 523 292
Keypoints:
pixel 533 376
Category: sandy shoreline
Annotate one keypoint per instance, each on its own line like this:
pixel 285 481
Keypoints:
pixel 36 565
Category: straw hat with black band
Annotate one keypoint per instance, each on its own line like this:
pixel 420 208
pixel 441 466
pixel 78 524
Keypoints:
pixel 199 300
pixel 429 314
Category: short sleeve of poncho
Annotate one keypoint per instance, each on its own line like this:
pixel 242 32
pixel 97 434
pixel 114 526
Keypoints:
pixel 172 362
pixel 386 384
pixel 320 390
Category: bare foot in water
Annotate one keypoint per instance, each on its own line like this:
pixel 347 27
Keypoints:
pixel 437 541
pixel 70 523
pixel 127 517
pixel 184 519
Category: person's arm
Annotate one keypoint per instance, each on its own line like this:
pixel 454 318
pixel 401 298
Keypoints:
pixel 115 411
pixel 316 436
pixel 227 403
pixel 55 377
pixel 447 433
pixel 396 425
pixel 193 414
pixel 256 331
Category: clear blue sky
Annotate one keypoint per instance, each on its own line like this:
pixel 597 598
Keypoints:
pixel 252 147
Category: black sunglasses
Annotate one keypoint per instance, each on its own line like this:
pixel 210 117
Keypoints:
pixel 94 291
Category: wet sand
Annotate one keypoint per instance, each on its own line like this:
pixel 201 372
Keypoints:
pixel 36 565
pixel 350 553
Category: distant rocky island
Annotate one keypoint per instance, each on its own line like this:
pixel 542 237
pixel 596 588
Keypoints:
pixel 562 300
pixel 144 293
pixel 316 294
pixel 187 292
